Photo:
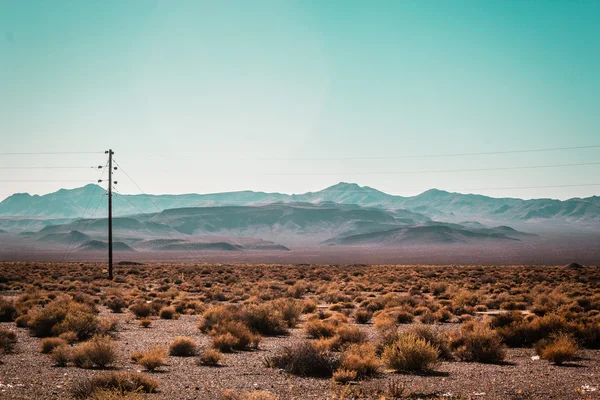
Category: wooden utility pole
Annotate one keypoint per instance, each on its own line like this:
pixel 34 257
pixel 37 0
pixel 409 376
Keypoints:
pixel 110 244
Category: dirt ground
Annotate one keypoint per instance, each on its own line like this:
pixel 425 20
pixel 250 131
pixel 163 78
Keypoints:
pixel 28 374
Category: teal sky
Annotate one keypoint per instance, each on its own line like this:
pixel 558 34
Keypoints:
pixel 209 96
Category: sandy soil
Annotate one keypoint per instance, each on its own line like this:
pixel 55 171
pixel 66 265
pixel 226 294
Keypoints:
pixel 27 374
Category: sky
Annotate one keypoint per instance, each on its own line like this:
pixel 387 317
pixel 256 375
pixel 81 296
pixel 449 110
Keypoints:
pixel 294 96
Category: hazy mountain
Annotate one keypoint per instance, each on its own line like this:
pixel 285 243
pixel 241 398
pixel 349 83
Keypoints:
pixel 419 235
pixel 23 212
pixel 273 227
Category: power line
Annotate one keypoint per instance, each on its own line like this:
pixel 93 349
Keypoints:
pixel 158 225
pixel 406 156
pixel 433 171
pixel 154 204
pixel 42 181
pixel 48 153
pixel 47 167
pixel 83 214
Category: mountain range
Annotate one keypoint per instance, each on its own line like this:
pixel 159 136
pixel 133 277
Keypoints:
pixel 343 215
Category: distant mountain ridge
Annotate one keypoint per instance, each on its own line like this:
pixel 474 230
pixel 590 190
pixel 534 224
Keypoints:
pixel 434 204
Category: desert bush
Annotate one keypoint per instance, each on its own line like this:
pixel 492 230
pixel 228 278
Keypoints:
pixel 123 382
pixel 214 315
pixel 183 347
pixel 361 359
pixel 141 310
pixel 167 313
pixel 265 319
pixel 525 333
pixel 8 340
pixel 41 322
pixel 506 318
pixel 98 352
pixel 427 317
pixel 320 328
pixel 209 357
pixel 303 359
pixel 80 320
pixel 477 342
pixel 61 355
pixel 309 307
pixel 344 376
pixel 362 316
pixel 49 344
pixel 557 349
pixel 435 338
pixel 116 304
pixel 151 359
pixel 22 321
pixel 410 353
pixel 384 321
pixel 69 337
pixel 145 322
pixel 233 335
pixel 404 317
pixel 8 311
pixel 290 310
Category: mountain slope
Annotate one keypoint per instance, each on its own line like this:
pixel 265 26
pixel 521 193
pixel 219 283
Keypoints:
pixel 432 204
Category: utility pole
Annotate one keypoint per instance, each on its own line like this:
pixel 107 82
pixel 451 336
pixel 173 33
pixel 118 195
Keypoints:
pixel 110 244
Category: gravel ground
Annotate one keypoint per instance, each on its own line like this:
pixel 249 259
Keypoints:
pixel 27 374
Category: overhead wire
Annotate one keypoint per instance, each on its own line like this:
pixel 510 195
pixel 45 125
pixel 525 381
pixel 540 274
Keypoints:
pixel 149 219
pixel 155 205
pixel 83 214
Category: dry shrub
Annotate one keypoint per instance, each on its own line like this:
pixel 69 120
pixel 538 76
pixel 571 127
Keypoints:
pixel 22 321
pixel 123 382
pixel 230 394
pixel 233 335
pixel 344 376
pixel 557 349
pixel 107 326
pixel 427 317
pixel 116 304
pixel 384 321
pixel 477 342
pixel 61 355
pixel 209 357
pixel 435 338
pixel 183 347
pixel 8 311
pixel 309 307
pixel 49 344
pixel 167 313
pixel 151 359
pixel 290 310
pixel 523 333
pixel 8 340
pixel 362 316
pixel 410 353
pixel 69 337
pixel 79 320
pixel 361 359
pixel 317 328
pixel 346 335
pixel 98 352
pixel 265 319
pixel 141 310
pixel 215 315
pixel 303 359
pixel 42 322
pixel 145 322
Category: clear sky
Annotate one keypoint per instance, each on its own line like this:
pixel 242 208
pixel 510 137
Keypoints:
pixel 293 96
